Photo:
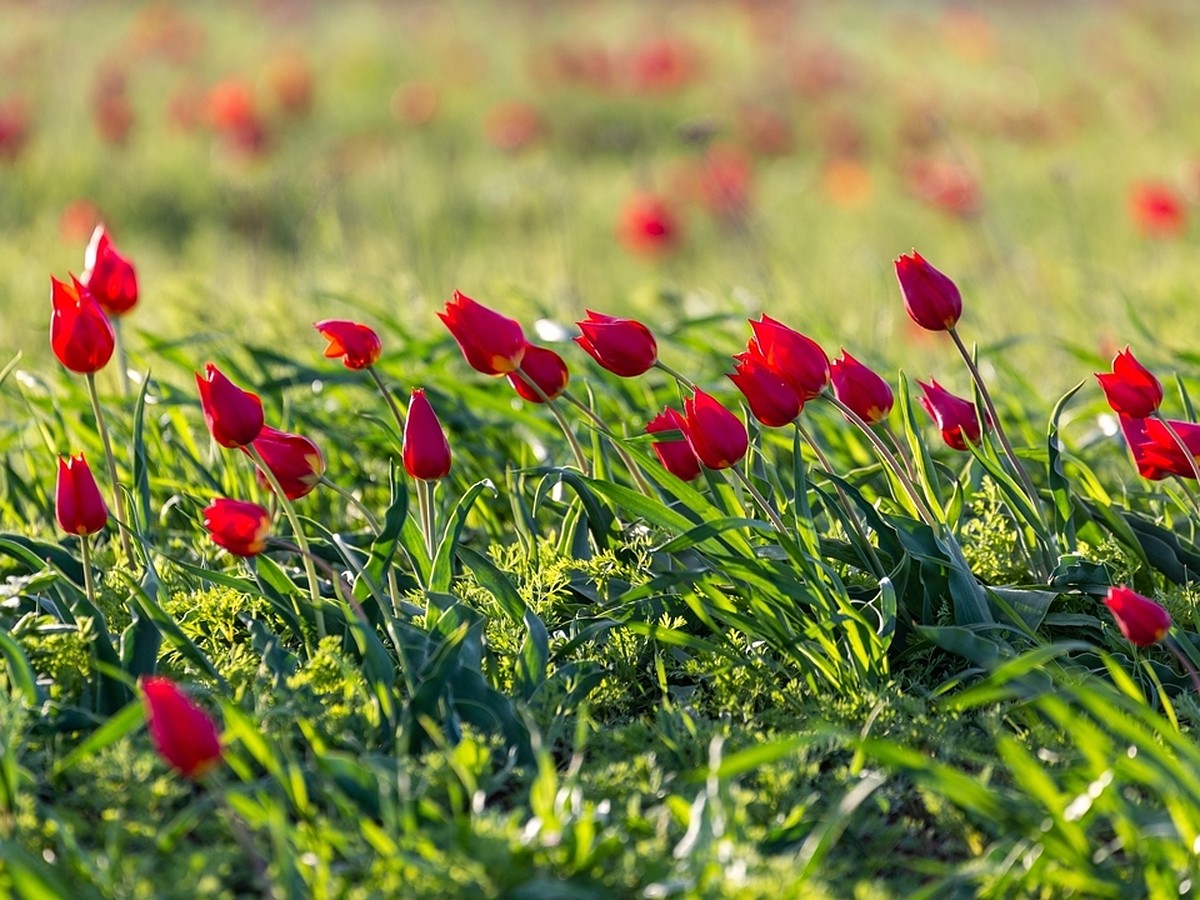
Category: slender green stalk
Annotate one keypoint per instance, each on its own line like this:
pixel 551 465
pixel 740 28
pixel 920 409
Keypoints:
pixel 118 497
pixel 122 360
pixel 353 501
pixel 1169 643
pixel 674 373
pixel 899 447
pixel 387 395
pixel 425 505
pixel 760 500
pixel 576 449
pixel 635 470
pixel 89 583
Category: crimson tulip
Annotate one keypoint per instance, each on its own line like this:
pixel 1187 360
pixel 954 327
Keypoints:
pixel 956 417
pixel 931 298
pixel 80 334
pixel 677 455
pixel 716 435
pixel 772 400
pixel 426 451
pixel 294 460
pixel 1131 388
pixel 798 359
pixel 543 367
pixel 357 345
pixel 1155 450
pixel 239 526
pixel 183 733
pixel 1140 619
pixel 108 275
pixel 623 346
pixel 234 416
pixel 78 505
pixel 861 389
pixel 649 226
pixel 492 344
pixel 1158 210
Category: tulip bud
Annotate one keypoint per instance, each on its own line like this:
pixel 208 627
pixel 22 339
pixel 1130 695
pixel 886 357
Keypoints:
pixel 492 344
pixel 183 733
pixel 1154 449
pixel 956 417
pixel 861 389
pixel 932 299
pixel 623 346
pixel 238 526
pixel 426 451
pixel 677 456
pixel 80 333
pixel 1140 619
pixel 78 505
pixel 1131 389
pixel 294 460
pixel 716 435
pixel 357 345
pixel 234 416
pixel 543 367
pixel 798 359
pixel 771 399
pixel 108 275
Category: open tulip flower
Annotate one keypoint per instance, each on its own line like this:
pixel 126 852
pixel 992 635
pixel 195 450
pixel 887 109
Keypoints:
pixel 234 416
pixel 861 389
pixel 676 455
pixel 543 367
pixel 183 733
pixel 294 460
pixel 239 526
pixel 772 400
pixel 426 451
pixel 78 505
pixel 798 359
pixel 108 275
pixel 80 334
pixel 492 344
pixel 931 298
pixel 956 417
pixel 716 435
pixel 358 345
pixel 624 347
pixel 1140 619
pixel 1131 388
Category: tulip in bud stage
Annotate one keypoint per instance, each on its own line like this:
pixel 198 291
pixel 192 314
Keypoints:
pixel 623 346
pixel 240 527
pixel 798 359
pixel 716 435
pixel 931 299
pixel 78 505
pixel 357 345
pixel 234 416
pixel 80 334
pixel 772 400
pixel 1131 388
pixel 861 389
pixel 492 344
pixel 543 367
pixel 183 733
pixel 108 275
pixel 955 416
pixel 1140 619
pixel 426 451
pixel 294 460
pixel 677 456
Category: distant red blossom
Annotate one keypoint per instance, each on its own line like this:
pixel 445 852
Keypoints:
pixel 1157 210
pixel 649 225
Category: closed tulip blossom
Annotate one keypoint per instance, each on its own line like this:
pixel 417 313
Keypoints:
pixel 491 343
pixel 798 359
pixel 294 460
pixel 956 417
pixel 861 389
pixel 1131 388
pixel 108 275
pixel 358 345
pixel 183 733
pixel 1140 619
pixel 624 347
pixel 239 526
pixel 426 451
pixel 676 455
pixel 931 298
pixel 1154 449
pixel 717 436
pixel 80 334
pixel 234 416
pixel 772 400
pixel 78 505
pixel 543 367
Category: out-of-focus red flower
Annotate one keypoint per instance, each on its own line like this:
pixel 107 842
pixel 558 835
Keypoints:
pixel 677 456
pixel 184 734
pixel 1140 619
pixel 821 70
pixel 234 416
pixel 723 182
pixel 1157 210
pixel 584 64
pixel 231 111
pixel 186 105
pixel 662 65
pixel 78 505
pixel 625 347
pixel 944 185
pixel 543 367
pixel 415 103
pixel 108 275
pixel 112 112
pixel 239 526
pixel 717 436
pixel 492 344
pixel 79 220
pixel 512 125
pixel 931 299
pixel 798 359
pixel 861 389
pixel 766 132
pixel 357 344
pixel 955 416
pixel 1155 451
pixel 15 126
pixel 649 225
pixel 294 460
pixel 80 333
pixel 290 79
pixel 1131 388
pixel 772 399
pixel 426 451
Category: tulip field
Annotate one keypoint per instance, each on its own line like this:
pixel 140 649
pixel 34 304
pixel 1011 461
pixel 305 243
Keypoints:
pixel 719 448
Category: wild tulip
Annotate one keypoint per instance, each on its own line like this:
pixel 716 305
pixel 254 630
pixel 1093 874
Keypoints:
pixel 1154 449
pixel 426 451
pixel 108 275
pixel 357 345
pixel 1157 210
pixel 798 359
pixel 931 299
pixel 492 344
pixel 717 436
pixel 861 389
pixel 649 226
pixel 677 455
pixel 624 347
pixel 183 733
pixel 1131 388
pixel 294 460
pixel 956 417
pixel 1140 619
pixel 80 334
pixel 239 526
pixel 78 505
pixel 234 416
pixel 543 367
pixel 772 400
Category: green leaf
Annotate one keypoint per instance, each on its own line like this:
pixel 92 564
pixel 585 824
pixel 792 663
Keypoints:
pixel 442 572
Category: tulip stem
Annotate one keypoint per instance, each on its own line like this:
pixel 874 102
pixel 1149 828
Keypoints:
pixel 387 395
pixel 580 459
pixel 425 506
pixel 89 584
pixel 901 450
pixel 1169 643
pixel 635 471
pixel 122 360
pixel 760 500
pixel 110 460
pixel 677 375
pixel 314 586
pixel 353 501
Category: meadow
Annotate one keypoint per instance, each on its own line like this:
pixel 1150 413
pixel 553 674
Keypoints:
pixel 517 449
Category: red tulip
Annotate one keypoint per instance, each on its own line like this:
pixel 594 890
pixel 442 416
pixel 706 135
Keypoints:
pixel 78 505
pixel 426 450
pixel 357 345
pixel 1140 619
pixel 1154 449
pixel 80 334
pixel 1157 210
pixel 677 456
pixel 772 400
pixel 492 344
pixel 648 226
pixel 716 435
pixel 240 527
pixel 932 299
pixel 1131 389
pixel 955 416
pixel 861 389
pixel 234 416
pixel 15 126
pixel 543 367
pixel 798 359
pixel 108 275
pixel 183 733
pixel 294 460
pixel 623 346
